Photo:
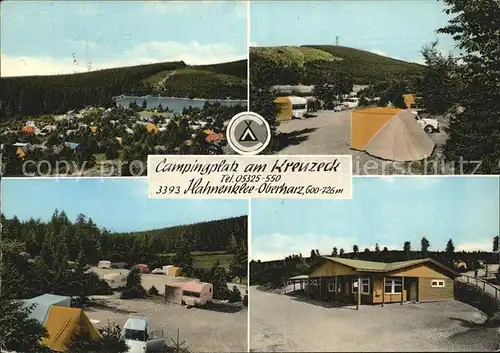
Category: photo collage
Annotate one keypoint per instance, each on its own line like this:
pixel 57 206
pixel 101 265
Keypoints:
pixel 249 176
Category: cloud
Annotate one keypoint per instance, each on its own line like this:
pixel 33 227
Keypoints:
pixel 192 53
pixel 486 246
pixel 383 53
pixel 277 246
pixel 178 7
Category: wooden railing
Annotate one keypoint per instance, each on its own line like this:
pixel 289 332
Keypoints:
pixel 480 283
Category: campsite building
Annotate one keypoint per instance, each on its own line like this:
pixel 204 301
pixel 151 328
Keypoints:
pixel 348 281
pixel 390 134
pixel 189 293
pixel 291 107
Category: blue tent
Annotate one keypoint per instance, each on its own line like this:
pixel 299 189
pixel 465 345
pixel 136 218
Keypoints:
pixel 43 303
pixel 72 145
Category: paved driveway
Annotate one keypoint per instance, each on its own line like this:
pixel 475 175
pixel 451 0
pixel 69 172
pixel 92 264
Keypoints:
pixel 279 323
pixel 328 132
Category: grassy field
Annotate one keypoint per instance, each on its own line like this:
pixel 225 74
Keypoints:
pixel 323 60
pixel 288 55
pixel 207 259
pixel 192 73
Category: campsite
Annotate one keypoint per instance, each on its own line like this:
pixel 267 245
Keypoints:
pixel 330 132
pixel 335 68
pixel 183 273
pixel 354 276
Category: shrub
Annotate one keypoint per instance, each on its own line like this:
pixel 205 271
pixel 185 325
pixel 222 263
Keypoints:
pixel 133 293
pixel 472 295
pixel 235 295
pixel 245 300
pixel 153 291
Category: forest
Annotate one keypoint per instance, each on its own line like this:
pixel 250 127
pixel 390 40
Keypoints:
pixel 57 94
pixel 35 251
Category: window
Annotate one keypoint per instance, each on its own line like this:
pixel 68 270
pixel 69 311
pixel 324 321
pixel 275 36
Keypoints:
pixel 135 335
pixel 299 106
pixel 331 287
pixel 393 286
pixel 365 286
pixel 437 283
pixel 187 293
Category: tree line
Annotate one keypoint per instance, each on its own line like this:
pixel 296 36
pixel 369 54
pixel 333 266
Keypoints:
pixel 57 94
pixel 275 273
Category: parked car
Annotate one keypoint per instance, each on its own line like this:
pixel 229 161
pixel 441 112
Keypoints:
pixel 351 102
pixel 338 108
pixel 140 338
pixel 427 124
pixel 158 271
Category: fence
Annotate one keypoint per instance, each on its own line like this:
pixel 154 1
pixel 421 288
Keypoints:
pixel 482 284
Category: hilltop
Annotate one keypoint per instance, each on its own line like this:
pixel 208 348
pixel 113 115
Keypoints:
pixel 306 64
pixel 57 94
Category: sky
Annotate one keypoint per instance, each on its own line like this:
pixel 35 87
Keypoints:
pixel 40 37
pixel 391 28
pixel 387 211
pixel 118 204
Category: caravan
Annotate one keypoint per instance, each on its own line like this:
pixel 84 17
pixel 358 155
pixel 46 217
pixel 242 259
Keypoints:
pixel 104 264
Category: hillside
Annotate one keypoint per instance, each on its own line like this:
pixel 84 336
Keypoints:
pixel 56 94
pixel 205 236
pixel 308 64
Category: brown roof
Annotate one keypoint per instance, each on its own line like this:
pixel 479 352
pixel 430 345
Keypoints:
pixel 382 267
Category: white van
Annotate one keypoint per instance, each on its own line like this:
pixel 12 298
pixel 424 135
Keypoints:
pixel 104 264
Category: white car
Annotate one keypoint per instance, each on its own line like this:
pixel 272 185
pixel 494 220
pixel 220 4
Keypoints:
pixel 351 102
pixel 139 338
pixel 338 108
pixel 428 125
pixel 158 271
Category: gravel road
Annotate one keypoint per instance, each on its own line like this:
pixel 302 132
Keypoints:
pixel 203 330
pixel 280 323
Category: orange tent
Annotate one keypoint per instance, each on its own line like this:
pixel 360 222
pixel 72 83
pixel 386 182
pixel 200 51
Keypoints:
pixel 214 137
pixel 389 133
pixel 63 324
pixel 29 130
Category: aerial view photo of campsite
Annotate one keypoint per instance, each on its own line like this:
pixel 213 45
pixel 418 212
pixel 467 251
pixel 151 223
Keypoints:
pixel 409 264
pixel 90 94
pixel 116 268
pixel 367 78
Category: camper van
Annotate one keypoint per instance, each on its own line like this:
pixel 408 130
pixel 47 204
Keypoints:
pixel 139 338
pixel 299 107
pixel 115 280
pixel 351 102
pixel 104 264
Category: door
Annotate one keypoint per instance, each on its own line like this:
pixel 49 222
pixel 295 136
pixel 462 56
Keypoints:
pixel 413 291
pixel 156 342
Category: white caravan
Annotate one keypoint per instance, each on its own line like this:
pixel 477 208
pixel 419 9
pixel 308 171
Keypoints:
pixel 104 264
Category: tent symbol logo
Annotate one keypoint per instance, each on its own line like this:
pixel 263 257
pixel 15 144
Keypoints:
pixel 248 135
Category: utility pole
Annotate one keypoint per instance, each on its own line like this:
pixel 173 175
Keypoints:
pixel 337 41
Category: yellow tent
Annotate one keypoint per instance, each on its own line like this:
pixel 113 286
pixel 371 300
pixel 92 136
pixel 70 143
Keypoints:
pixel 390 134
pixel 119 139
pixel 409 100
pixel 21 153
pixel 174 271
pixel 152 127
pixel 93 129
pixel 208 132
pixel 284 108
pixel 63 324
